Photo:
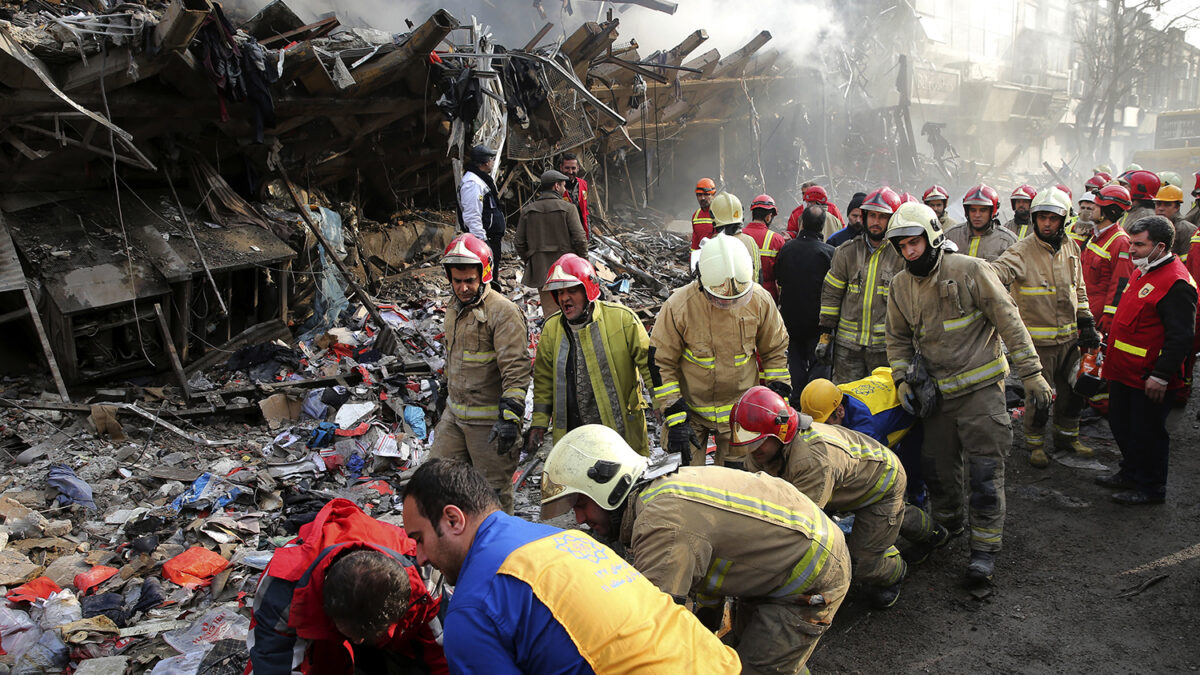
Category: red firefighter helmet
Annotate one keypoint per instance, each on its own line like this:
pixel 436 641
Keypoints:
pixel 706 186
pixel 883 200
pixel 1114 194
pixel 1096 182
pixel 816 195
pixel 1023 192
pixel 1066 190
pixel 571 270
pixel 906 198
pixel 764 202
pixel 1196 190
pixel 761 412
pixel 983 195
pixel 935 192
pixel 467 249
pixel 1143 185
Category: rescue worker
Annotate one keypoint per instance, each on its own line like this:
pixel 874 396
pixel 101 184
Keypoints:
pixel 1044 276
pixel 1193 215
pixel 762 213
pixel 576 189
pixel 548 228
pixel 531 598
pixel 713 339
pixel 1168 203
pixel 711 532
pixel 592 359
pixel 1143 189
pixel 815 194
pixel 346 596
pixel 938 199
pixel 487 369
pixel 854 221
pixel 1080 231
pixel 854 296
pixel 1021 200
pixel 1096 182
pixel 800 272
pixel 981 235
pixel 842 471
pixel 1105 259
pixel 950 308
pixel 727 220
pixel 702 219
pixel 479 210
pixel 1152 336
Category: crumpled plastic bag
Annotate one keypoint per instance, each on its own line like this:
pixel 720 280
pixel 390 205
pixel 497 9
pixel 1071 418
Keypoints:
pixel 71 488
pixel 60 608
pixel 184 664
pixel 205 491
pixel 33 590
pixel 415 417
pixel 313 406
pixel 94 577
pixel 48 656
pixel 194 567
pixel 218 623
pixel 15 625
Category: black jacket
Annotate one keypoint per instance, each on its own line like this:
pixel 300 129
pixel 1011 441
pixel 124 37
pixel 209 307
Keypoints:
pixel 800 269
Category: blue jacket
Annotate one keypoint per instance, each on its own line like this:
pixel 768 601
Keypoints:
pixel 881 425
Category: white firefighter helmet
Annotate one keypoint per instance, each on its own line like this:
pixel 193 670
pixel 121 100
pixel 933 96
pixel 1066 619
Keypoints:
pixel 592 460
pixel 726 269
pixel 1053 201
pixel 726 210
pixel 913 219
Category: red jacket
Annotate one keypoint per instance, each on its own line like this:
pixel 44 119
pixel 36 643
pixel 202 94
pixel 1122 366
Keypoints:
pixel 290 631
pixel 1106 268
pixel 769 243
pixel 582 205
pixel 702 227
pixel 1138 334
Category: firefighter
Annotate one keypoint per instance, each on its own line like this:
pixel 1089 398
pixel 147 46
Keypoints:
pixel 815 194
pixel 981 235
pixel 1193 215
pixel 487 369
pixel 762 212
pixel 727 219
pixel 1044 276
pixel 1080 231
pixel 1152 336
pixel 854 295
pixel 714 338
pixel 576 189
pixel 1022 221
pixel 711 532
pixel 702 219
pixel 364 601
pixel 938 199
pixel 531 598
pixel 952 309
pixel 592 359
pixel 1105 260
pixel 1168 203
pixel 1143 190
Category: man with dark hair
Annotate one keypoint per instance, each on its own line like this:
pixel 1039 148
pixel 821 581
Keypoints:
pixel 854 221
pixel 1151 338
pixel 346 596
pixel 800 269
pixel 576 189
pixel 479 210
pixel 531 598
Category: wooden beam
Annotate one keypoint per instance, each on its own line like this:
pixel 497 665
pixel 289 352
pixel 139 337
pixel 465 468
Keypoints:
pixel 390 67
pixel 46 350
pixel 176 365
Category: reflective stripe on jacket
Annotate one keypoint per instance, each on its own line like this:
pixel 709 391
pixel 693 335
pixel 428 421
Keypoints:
pixel 1047 286
pixel 855 293
pixel 1138 334
pixel 1106 268
pixel 702 227
pixel 988 245
pixel 487 356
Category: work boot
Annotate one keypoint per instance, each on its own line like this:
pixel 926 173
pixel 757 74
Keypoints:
pixel 1067 439
pixel 982 566
pixel 1116 481
pixel 1037 450
pixel 920 551
pixel 1137 498
pixel 883 597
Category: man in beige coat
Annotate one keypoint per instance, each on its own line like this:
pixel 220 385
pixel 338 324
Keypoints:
pixel 548 229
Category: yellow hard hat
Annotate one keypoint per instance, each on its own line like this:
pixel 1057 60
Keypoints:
pixel 819 399
pixel 591 460
pixel 1169 193
pixel 726 209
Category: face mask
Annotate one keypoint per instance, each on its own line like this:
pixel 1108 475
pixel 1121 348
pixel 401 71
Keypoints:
pixel 1143 264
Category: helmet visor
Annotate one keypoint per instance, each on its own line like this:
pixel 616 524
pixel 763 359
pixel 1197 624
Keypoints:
pixel 742 435
pixel 556 501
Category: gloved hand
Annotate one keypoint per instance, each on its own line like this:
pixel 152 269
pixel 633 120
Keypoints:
pixel 824 351
pixel 537 436
pixel 782 388
pixel 679 431
pixel 904 392
pixel 443 395
pixel 1037 391
pixel 1104 323
pixel 504 435
pixel 1089 337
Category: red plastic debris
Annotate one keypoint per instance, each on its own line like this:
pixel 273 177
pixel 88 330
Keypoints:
pixel 94 577
pixel 194 567
pixel 41 587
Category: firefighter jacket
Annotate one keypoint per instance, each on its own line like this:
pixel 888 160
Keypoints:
pixel 549 227
pixel 532 598
pixel 988 245
pixel 291 632
pixel 952 316
pixel 1047 286
pixel 1193 215
pixel 1079 236
pixel 1106 268
pixel 839 469
pixel 1183 236
pixel 1019 230
pixel 702 227
pixel 579 197
pixel 855 293
pixel 720 532
pixel 1140 210
pixel 615 348
pixel 1153 327
pixel 769 242
pixel 487 356
pixel 946 222
pixel 752 249
pixel 710 357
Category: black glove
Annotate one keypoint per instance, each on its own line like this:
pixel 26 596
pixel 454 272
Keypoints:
pixel 504 435
pixel 443 395
pixel 679 431
pixel 782 388
pixel 1089 337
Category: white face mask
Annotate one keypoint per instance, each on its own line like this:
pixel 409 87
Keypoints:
pixel 1143 264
